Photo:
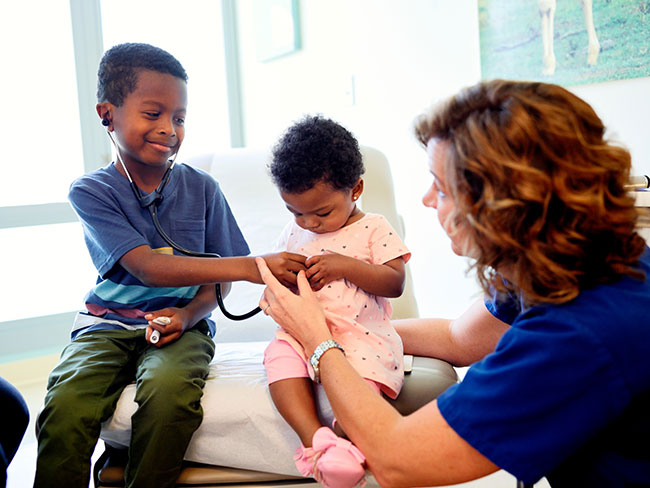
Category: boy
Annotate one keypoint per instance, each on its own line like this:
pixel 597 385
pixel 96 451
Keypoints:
pixel 142 97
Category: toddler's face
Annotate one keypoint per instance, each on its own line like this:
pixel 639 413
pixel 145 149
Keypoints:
pixel 149 126
pixel 323 209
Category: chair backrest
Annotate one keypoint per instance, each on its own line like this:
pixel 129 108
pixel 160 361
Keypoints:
pixel 261 213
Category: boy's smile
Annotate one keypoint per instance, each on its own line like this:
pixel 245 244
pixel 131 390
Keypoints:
pixel 149 126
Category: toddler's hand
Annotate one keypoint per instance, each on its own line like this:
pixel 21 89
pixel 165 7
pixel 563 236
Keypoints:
pixel 325 268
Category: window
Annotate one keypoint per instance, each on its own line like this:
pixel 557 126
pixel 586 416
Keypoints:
pixel 192 32
pixel 41 265
pixel 42 153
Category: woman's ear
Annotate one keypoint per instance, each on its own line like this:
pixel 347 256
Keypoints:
pixel 357 190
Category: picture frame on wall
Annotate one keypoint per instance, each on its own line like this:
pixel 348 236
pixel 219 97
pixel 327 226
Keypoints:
pixel 566 42
pixel 277 28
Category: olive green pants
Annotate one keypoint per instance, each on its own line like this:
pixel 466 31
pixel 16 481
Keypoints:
pixel 83 390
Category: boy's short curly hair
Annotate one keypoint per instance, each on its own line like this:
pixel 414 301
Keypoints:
pixel 117 75
pixel 316 149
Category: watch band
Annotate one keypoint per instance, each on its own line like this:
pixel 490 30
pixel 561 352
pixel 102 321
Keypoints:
pixel 318 353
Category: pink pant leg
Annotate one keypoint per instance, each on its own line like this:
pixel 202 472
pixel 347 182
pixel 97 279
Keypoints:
pixel 282 362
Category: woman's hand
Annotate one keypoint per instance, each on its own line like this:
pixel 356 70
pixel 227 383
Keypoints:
pixel 299 314
pixel 325 268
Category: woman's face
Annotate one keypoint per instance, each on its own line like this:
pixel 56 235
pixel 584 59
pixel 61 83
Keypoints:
pixel 439 198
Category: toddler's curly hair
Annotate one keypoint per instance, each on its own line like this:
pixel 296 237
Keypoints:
pixel 316 149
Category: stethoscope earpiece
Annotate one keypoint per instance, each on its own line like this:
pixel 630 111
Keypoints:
pixel 105 122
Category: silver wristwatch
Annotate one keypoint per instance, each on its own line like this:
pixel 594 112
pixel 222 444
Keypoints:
pixel 318 352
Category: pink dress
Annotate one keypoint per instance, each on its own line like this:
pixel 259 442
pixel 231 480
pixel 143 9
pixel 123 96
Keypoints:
pixel 360 322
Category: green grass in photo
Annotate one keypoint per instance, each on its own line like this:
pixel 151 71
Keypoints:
pixel 511 41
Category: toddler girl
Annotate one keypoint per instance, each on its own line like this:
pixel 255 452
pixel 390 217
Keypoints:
pixel 355 261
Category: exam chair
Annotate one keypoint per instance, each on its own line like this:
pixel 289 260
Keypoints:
pixel 243 441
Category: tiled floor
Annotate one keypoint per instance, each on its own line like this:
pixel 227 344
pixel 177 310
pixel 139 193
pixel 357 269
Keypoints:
pixel 21 470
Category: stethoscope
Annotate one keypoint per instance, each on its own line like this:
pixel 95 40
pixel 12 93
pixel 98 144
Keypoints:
pixel 151 202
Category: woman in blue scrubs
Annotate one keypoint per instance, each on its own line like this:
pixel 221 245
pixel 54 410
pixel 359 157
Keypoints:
pixel 527 186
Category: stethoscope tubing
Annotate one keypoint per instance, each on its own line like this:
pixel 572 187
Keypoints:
pixel 182 250
pixel 151 203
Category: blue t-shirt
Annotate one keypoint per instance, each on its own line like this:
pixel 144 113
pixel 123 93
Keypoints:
pixel 194 213
pixel 566 393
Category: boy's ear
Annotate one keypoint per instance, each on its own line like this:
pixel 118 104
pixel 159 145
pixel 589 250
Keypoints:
pixel 357 190
pixel 105 114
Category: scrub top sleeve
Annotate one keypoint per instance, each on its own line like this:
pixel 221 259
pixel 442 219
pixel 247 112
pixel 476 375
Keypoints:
pixel 547 389
pixel 505 309
pixel 108 233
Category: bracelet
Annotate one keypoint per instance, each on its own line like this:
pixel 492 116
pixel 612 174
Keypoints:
pixel 322 348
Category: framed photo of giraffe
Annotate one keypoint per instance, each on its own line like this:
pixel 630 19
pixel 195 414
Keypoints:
pixel 568 42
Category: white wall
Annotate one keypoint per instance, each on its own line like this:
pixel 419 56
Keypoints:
pixel 402 55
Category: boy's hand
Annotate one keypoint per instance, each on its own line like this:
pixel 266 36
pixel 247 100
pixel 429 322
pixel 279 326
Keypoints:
pixel 325 268
pixel 170 332
pixel 285 266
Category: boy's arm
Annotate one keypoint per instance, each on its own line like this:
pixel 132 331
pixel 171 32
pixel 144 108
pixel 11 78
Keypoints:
pixel 201 305
pixel 154 269
pixel 386 280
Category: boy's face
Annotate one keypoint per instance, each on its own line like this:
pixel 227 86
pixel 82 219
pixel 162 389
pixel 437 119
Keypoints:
pixel 323 209
pixel 149 125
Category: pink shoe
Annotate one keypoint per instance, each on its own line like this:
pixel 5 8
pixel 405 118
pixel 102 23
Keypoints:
pixel 305 460
pixel 341 463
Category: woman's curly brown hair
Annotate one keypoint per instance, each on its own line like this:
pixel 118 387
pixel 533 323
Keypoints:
pixel 539 187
